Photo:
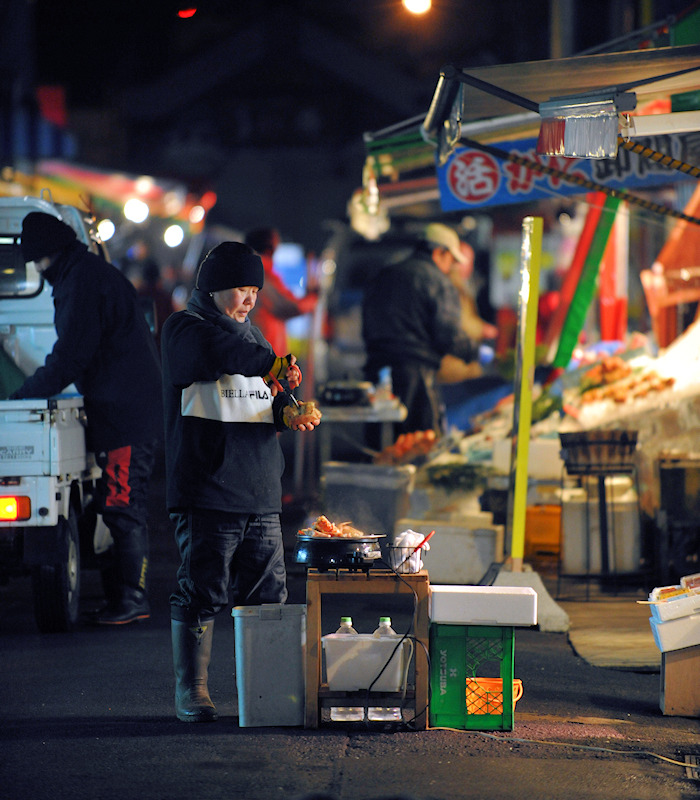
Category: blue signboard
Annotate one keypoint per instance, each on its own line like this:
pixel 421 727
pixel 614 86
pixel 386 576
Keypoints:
pixel 472 178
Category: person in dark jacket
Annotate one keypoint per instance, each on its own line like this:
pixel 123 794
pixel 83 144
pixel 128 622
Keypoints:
pixel 277 303
pixel 224 463
pixel 104 347
pixel 410 320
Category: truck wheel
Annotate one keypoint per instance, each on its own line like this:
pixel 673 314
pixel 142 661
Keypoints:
pixel 56 587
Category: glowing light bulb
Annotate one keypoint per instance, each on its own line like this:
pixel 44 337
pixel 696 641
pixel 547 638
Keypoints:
pixel 136 210
pixel 106 229
pixel 173 235
pixel 417 6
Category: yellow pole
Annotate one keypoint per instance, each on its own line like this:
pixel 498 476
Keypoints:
pixel 531 257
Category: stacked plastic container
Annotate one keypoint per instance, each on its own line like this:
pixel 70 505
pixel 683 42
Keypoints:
pixel 472 653
pixel 675 614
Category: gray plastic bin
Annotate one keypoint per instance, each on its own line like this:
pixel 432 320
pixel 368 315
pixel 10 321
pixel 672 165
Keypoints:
pixel 270 646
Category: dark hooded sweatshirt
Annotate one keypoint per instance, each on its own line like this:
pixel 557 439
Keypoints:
pixel 105 348
pixel 221 422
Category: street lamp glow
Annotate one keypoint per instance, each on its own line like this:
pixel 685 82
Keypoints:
pixel 136 210
pixel 106 229
pixel 417 6
pixel 173 235
pixel 196 214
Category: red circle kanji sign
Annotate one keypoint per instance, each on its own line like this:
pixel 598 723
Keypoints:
pixel 473 177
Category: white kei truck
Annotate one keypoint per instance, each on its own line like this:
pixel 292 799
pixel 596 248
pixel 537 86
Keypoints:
pixel 48 526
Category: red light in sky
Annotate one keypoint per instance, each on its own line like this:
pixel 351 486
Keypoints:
pixel 186 13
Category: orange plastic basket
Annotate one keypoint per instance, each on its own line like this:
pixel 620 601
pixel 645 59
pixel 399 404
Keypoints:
pixel 485 695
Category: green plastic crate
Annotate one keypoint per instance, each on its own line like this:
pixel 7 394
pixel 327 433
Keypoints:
pixel 460 652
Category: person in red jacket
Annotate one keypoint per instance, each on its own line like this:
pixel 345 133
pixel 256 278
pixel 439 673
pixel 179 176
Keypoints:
pixel 277 304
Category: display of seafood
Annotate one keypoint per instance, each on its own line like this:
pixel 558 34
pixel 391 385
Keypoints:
pixel 407 448
pixel 323 528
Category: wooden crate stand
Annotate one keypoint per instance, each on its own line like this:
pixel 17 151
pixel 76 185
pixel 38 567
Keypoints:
pixel 369 583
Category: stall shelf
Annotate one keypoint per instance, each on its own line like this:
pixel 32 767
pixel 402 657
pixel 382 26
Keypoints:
pixel 600 455
pixel 385 415
pixel 371 582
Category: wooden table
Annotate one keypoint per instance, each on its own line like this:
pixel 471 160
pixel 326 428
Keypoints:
pixel 367 583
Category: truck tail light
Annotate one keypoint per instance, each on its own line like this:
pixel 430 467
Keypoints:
pixel 15 508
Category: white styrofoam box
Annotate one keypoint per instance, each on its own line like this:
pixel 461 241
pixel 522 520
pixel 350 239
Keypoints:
pixel 353 662
pixel 437 503
pixel 543 460
pixel 270 646
pixel 676 634
pixel 483 605
pixel 460 551
pixel 676 607
pixel 580 534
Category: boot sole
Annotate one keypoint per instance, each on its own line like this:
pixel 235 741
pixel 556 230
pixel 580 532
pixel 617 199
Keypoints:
pixel 139 618
pixel 197 717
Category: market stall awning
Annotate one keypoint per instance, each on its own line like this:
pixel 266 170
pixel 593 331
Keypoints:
pixel 402 159
pixel 540 81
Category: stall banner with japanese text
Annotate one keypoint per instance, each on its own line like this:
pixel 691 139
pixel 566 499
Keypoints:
pixel 472 178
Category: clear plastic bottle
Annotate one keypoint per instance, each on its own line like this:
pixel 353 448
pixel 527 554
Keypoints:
pixel 382 713
pixel 347 713
pixel 384 390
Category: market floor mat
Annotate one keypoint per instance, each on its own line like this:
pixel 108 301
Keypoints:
pixel 613 633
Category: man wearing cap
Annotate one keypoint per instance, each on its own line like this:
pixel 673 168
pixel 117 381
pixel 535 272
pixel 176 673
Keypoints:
pixel 104 347
pixel 411 319
pixel 224 463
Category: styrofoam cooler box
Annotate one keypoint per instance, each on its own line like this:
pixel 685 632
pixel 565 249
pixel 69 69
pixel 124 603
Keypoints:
pixel 461 551
pixel 270 644
pixel 580 535
pixel 353 662
pixel 483 605
pixel 676 634
pixel 676 607
pixel 544 460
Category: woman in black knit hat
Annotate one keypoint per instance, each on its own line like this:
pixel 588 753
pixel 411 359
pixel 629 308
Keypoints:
pixel 224 463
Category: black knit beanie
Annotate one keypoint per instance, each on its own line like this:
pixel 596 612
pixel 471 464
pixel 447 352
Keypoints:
pixel 228 266
pixel 44 235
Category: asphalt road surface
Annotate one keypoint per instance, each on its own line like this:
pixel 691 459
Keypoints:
pixel 89 716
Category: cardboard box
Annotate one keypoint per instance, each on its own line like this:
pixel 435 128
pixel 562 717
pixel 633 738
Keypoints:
pixel 680 687
pixel 675 634
pixel 483 605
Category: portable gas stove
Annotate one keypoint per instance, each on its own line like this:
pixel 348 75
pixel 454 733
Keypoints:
pixel 356 553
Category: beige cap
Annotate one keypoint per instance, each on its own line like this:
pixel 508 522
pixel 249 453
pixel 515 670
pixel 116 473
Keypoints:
pixel 443 236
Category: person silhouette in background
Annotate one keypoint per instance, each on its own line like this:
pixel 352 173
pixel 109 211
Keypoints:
pixel 276 304
pixel 452 368
pixel 411 319
pixel 155 298
pixel 104 347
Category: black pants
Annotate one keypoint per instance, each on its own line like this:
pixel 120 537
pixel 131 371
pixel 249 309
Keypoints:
pixel 415 385
pixel 126 473
pixel 221 551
